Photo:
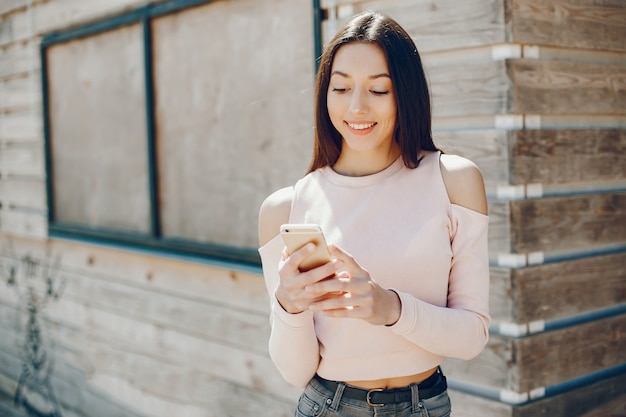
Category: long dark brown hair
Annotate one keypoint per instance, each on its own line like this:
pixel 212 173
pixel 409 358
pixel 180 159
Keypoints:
pixel 413 117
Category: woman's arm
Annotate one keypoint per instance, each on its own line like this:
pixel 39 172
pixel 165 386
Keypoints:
pixel 461 328
pixel 293 344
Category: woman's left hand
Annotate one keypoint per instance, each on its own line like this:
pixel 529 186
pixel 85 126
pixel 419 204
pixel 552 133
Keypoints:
pixel 358 295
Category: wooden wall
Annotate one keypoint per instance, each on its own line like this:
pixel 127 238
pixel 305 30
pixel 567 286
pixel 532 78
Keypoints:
pixel 535 93
pixel 131 333
pixel 531 90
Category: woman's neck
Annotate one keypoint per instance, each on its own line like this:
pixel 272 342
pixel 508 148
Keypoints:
pixel 360 164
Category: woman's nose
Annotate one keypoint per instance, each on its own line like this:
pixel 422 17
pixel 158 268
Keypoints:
pixel 358 102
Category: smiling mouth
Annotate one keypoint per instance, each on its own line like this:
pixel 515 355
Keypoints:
pixel 360 126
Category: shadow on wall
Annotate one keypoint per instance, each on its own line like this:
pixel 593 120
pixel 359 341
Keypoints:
pixel 36 284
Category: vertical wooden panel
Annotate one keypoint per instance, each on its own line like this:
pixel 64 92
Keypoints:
pixel 224 116
pixel 98 131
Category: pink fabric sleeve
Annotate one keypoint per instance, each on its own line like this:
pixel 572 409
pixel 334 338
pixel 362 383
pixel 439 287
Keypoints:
pixel 293 344
pixel 461 329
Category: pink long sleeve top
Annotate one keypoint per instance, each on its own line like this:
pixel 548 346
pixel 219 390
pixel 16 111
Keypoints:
pixel 400 225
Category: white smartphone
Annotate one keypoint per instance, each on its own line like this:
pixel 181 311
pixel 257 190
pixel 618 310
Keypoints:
pixel 296 236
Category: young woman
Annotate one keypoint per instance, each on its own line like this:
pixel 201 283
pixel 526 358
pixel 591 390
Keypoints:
pixel 407 229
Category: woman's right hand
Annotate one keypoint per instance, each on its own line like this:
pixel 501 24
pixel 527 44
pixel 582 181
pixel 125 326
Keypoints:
pixel 290 292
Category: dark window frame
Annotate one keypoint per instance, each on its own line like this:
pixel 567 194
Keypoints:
pixel 154 241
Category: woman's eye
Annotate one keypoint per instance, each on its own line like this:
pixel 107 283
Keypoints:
pixel 380 93
pixel 339 90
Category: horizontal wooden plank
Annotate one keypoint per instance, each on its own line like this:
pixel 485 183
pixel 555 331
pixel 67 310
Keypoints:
pixel 22 159
pixel 468 405
pixel 565 223
pixel 488 149
pixel 502 306
pixel 196 281
pixel 23 192
pixel 23 126
pixel 562 156
pixel 600 399
pixel 163 388
pixel 21 223
pixel 597 24
pixel 21 94
pixel 19 59
pixel 58 15
pixel 154 363
pixel 444 24
pixel 219 322
pixel 544 359
pixel 563 289
pixel 554 357
pixel 499 228
pixel 479 88
pixel 566 87
pixel 9 6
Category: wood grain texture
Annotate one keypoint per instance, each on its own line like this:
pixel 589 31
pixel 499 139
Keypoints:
pixel 467 405
pixel 489 149
pixel 566 87
pixel 20 94
pixel 562 156
pixel 19 59
pixel 604 398
pixel 562 223
pixel 476 88
pixel 23 192
pixel 21 126
pixel 544 359
pixel 595 24
pixel 444 24
pixel 553 357
pixel 564 289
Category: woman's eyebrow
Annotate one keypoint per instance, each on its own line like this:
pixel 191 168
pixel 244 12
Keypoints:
pixel 372 77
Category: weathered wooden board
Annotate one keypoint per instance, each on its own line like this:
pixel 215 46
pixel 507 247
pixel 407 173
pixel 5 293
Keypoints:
pixel 502 307
pixel 22 126
pixel 601 399
pixel 467 405
pixel 500 237
pixel 595 24
pixel 20 94
pixel 562 156
pixel 49 16
pixel 606 398
pixel 11 6
pixel 564 289
pixel 22 159
pixel 567 87
pixel 18 60
pixel 185 279
pixel 217 133
pixel 476 88
pixel 23 192
pixel 557 290
pixel 445 24
pixel 26 223
pixel 544 359
pixel 222 323
pixel 564 223
pixel 488 149
pixel 553 357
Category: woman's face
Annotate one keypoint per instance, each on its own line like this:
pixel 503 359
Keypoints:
pixel 361 100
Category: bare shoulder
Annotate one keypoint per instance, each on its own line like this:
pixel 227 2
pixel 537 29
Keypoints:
pixel 274 212
pixel 464 182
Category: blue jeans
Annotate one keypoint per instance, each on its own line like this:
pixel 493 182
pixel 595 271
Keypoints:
pixel 318 401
